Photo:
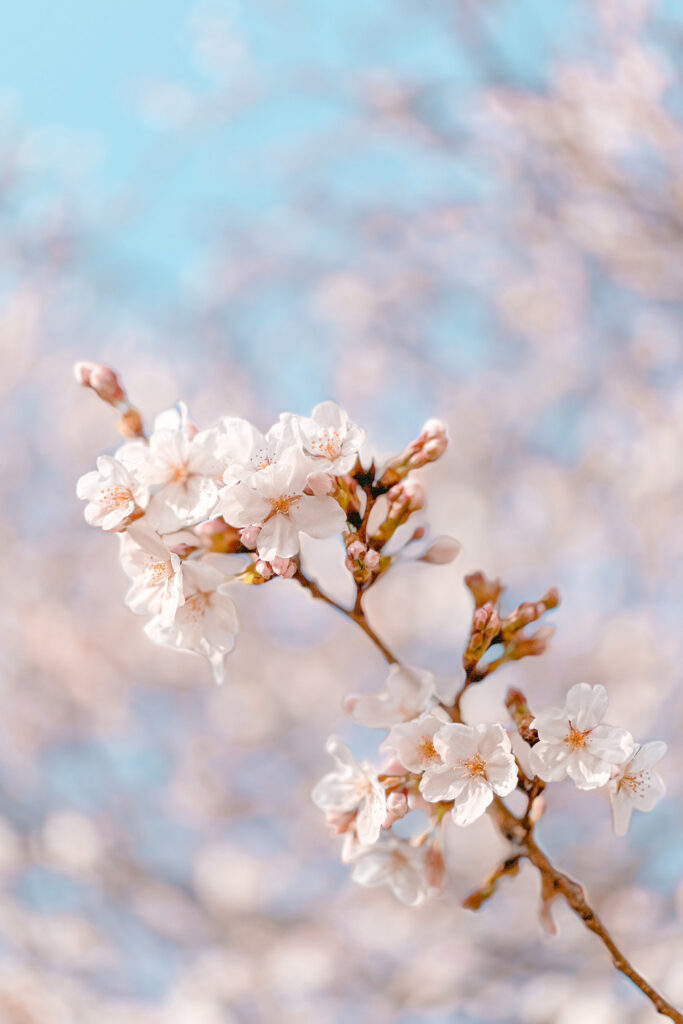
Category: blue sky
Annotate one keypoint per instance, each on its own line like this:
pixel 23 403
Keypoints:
pixel 80 71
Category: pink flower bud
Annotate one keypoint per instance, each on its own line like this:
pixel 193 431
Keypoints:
pixel 441 551
pixel 249 536
pixel 101 379
pixel 372 558
pixel 397 807
pixel 434 448
pixel 356 549
pixel 406 496
pixel 263 569
pixel 397 803
pixel 284 567
pixel 434 429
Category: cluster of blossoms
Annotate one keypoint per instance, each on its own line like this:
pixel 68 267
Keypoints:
pixel 182 498
pixel 451 770
pixel 183 495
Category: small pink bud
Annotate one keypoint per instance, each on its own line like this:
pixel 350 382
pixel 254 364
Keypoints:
pixel 249 536
pixel 102 380
pixel 434 429
pixel 397 803
pixel 372 558
pixel 356 549
pixel 397 807
pixel 442 551
pixel 406 496
pixel 263 568
pixel 284 567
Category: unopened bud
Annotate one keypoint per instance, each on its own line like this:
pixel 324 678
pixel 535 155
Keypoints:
pixel 405 497
pixel 249 536
pixel 483 590
pixel 372 559
pixel 397 808
pixel 102 379
pixel 434 429
pixel 284 567
pixel 356 549
pixel 130 423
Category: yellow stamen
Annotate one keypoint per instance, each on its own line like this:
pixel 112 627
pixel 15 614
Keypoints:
pixel 474 767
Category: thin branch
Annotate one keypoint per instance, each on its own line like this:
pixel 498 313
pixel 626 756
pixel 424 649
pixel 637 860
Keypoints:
pixel 519 831
pixel 356 614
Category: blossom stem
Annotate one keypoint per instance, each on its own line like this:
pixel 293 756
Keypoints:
pixel 556 884
pixel 356 614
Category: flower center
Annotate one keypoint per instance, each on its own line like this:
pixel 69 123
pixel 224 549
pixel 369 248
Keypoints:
pixel 427 750
pixel 473 767
pixel 196 605
pixel 575 739
pixel 633 782
pixel 328 443
pixel 281 505
pixel 115 496
pixel 179 474
pixel 157 572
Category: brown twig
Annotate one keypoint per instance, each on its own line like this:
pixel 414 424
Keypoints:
pixel 356 614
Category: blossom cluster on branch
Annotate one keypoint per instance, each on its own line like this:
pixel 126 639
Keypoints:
pixel 183 498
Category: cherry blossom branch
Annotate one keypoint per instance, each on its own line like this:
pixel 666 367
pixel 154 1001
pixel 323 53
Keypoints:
pixel 356 614
pixel 555 883
pixel 519 832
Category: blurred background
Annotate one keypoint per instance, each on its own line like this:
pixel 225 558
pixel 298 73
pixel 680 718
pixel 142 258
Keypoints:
pixel 468 209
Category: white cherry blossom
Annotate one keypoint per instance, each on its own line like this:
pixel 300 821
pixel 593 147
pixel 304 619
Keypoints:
pixel 185 468
pixel 274 498
pixel 412 743
pixel 113 494
pixel 477 762
pixel 207 620
pixel 246 451
pixel 636 786
pixel 396 864
pixel 352 788
pixel 156 574
pixel 407 693
pixel 330 437
pixel 573 743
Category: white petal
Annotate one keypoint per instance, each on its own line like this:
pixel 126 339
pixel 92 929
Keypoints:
pixel 278 538
pixel 318 517
pixel 472 802
pixel 586 705
pixel 648 755
pixel 610 744
pixel 549 761
pixel 586 771
pixel 622 808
